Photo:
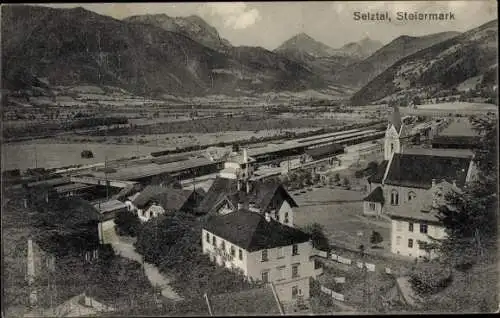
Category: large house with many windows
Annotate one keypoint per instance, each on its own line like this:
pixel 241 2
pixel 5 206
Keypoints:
pixel 263 249
pixel 415 225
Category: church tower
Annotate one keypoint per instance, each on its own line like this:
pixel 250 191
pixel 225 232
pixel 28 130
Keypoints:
pixel 392 142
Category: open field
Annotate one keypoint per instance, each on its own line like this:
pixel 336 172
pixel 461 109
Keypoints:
pixel 47 154
pixel 340 213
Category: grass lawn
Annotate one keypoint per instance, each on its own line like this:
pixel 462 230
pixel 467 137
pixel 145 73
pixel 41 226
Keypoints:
pixel 340 213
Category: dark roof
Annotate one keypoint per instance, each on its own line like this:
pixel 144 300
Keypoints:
pixel 456 140
pixel 319 152
pixel 256 301
pixel 250 231
pixel 263 192
pixel 174 199
pixel 377 195
pixel 379 175
pixel 149 193
pixel 411 170
pixel 220 188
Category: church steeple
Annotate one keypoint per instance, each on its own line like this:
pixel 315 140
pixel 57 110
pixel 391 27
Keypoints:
pixel 395 119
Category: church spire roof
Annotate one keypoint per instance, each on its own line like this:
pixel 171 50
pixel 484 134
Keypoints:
pixel 396 118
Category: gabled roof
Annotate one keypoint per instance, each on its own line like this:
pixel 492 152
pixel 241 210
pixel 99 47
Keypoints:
pixel 412 170
pixel 377 195
pixel 263 193
pixel 256 301
pixel 379 175
pixel 220 188
pixel 174 199
pixel 151 192
pixel 250 231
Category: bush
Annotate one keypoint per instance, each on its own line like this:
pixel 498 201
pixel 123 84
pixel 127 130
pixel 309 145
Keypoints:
pixel 87 154
pixel 318 237
pixel 127 223
pixel 376 238
pixel 430 279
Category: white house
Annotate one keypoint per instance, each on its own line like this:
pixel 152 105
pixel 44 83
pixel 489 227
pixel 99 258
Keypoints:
pixel 414 224
pixel 263 249
pixel 156 200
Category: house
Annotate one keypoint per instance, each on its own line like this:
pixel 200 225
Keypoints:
pixel 415 223
pixel 455 142
pixel 374 202
pixel 156 200
pixel 263 249
pixel 233 188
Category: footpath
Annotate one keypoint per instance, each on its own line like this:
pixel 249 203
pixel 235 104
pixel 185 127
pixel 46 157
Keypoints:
pixel 153 274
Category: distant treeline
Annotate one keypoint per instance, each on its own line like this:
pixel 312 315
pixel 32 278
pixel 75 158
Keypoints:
pixel 53 128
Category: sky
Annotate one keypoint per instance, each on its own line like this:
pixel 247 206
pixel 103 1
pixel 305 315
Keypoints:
pixel 268 24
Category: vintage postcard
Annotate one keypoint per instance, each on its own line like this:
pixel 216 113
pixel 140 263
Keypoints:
pixel 249 158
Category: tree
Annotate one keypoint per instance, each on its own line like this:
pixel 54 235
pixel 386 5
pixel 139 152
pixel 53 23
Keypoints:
pixel 346 183
pixel 87 154
pixel 376 238
pixel 318 237
pixel 470 215
pixel 336 178
pixel 127 223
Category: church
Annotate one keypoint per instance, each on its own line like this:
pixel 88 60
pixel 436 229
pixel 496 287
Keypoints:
pixel 408 181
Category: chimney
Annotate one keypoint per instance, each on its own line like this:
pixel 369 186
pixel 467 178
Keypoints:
pixel 31 273
pixel 248 187
pixel 88 300
pixel 433 182
pixel 238 182
pixel 267 216
pixel 454 182
pixel 245 155
pixel 25 203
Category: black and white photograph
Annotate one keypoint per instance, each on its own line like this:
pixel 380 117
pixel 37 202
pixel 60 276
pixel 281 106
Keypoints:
pixel 249 158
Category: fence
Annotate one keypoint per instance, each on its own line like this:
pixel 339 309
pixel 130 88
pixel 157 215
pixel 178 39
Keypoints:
pixel 333 294
pixel 337 258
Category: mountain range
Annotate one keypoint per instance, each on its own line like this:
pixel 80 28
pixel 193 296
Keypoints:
pixel 443 65
pixel 157 54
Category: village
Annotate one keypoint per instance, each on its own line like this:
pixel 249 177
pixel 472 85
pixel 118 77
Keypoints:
pixel 320 231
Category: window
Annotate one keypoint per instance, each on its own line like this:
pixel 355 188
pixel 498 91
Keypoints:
pixel 223 245
pixel 281 273
pixel 392 148
pixel 240 252
pixel 399 226
pixel 208 238
pixel 398 240
pixel 410 243
pixel 265 277
pixel 394 197
pixel 264 256
pixel 214 241
pixel 280 252
pixel 372 206
pixel 286 217
pixel 295 291
pixel 295 249
pixel 423 228
pixel 233 251
pixel 410 227
pixel 411 195
pixel 421 245
pixel 295 270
